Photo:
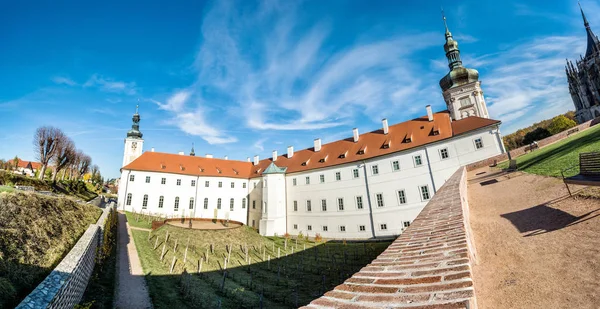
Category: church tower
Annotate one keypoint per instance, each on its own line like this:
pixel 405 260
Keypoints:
pixel 133 142
pixel 461 87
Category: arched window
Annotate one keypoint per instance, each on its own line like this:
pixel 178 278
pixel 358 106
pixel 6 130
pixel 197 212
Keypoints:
pixel 244 203
pixel 177 203
pixel 191 203
pixel 231 204
pixel 128 202
pixel 219 203
pixel 145 202
pixel 206 203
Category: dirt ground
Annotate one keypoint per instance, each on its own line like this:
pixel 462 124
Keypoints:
pixel 204 225
pixel 536 247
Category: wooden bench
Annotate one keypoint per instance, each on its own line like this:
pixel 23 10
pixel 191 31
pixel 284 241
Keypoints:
pixel 589 171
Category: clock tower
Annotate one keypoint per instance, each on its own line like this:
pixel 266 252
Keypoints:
pixel 133 142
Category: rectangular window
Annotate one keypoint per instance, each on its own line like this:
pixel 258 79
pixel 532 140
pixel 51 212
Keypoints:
pixel 253 204
pixel 206 203
pixel 355 173
pixel 295 205
pixel 444 153
pixel 308 205
pixel 294 182
pixel 244 185
pixel 179 182
pixel 362 228
pixel 244 203
pixel 255 184
pixel 342 228
pixel 128 201
pixel 322 178
pixel 324 205
pixel 161 201
pixel 131 177
pixel 176 203
pixel 145 201
pixel 379 198
pixel 191 203
pixel 307 180
pixel 232 184
pixel 295 226
pixel 193 183
pixel 147 179
pixel 425 193
pixel 359 202
pixel 401 197
pixel 383 227
pixel 220 184
pixel 309 227
pixel 418 161
pixel 324 228
pixel 338 176
pixel 478 143
pixel 395 166
pixel 406 223
pixel 375 169
pixel 219 203
pixel 340 203
pixel 163 181
pixel 207 183
pixel 231 204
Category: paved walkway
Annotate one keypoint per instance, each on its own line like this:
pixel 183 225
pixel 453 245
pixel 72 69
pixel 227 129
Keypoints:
pixel 536 246
pixel 132 292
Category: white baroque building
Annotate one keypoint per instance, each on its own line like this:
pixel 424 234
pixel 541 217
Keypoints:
pixel 365 186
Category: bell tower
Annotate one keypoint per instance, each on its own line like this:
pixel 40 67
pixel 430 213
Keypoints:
pixel 133 142
pixel 461 87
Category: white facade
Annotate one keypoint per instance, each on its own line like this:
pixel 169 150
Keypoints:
pixel 133 149
pixel 465 101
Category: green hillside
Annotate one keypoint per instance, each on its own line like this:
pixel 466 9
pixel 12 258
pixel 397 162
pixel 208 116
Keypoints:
pixel 36 232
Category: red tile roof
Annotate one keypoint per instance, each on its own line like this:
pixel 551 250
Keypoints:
pixel 402 136
pixel 34 165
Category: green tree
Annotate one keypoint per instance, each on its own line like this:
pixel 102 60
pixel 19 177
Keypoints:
pixel 560 123
pixel 535 135
pixel 15 162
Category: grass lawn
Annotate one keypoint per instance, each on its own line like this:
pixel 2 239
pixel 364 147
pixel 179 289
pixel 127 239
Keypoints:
pixel 6 189
pixel 304 271
pixel 140 220
pixel 550 160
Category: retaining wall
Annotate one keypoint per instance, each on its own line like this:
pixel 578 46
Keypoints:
pixel 541 143
pixel 65 285
pixel 428 266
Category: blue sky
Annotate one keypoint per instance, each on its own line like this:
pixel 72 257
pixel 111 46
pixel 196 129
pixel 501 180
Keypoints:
pixel 240 78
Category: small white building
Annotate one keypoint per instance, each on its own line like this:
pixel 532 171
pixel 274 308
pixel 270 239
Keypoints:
pixel 365 186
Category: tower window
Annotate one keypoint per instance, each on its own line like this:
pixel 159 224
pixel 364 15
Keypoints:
pixel 465 102
pixel 308 206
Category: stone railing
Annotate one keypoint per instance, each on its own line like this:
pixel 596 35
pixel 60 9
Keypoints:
pixel 428 266
pixel 65 285
pixel 541 143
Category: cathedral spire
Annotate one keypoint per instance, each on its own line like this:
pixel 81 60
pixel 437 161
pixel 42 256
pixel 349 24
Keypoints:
pixel 592 40
pixel 451 48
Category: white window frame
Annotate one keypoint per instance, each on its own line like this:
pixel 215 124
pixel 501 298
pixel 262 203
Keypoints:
pixel 405 224
pixel 374 170
pixel 294 181
pixel 206 183
pixel 295 203
pixel 231 204
pixel 362 228
pixel 193 182
pixel 340 206
pixel 176 205
pixel 480 141
pixel 342 228
pixel 308 206
pixel 400 202
pixel 147 179
pixel 243 185
pixel 295 226
pixel 219 203
pixel 128 199
pixel 206 203
pixel 145 202
pixel 161 201
pixel 191 206
pixel 420 163
pixel 220 184
pixel 132 178
pixel 360 205
pixel 355 173
pixel 377 195
pixel 307 180
pixel 325 228
pixel 383 226
pixel 322 178
pixel 232 185
pixel 309 227
pixel 422 193
pixel 442 153
pixel 243 203
pixel 323 204
pixel 394 169
pixel 338 176
pixel 163 180
pixel 178 182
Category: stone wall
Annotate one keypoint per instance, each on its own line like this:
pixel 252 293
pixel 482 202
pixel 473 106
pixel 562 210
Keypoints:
pixel 428 266
pixel 541 143
pixel 65 285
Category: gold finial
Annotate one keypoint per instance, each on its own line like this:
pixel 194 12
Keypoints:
pixel 444 18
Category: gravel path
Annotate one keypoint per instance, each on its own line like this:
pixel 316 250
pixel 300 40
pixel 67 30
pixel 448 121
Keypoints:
pixel 536 247
pixel 132 292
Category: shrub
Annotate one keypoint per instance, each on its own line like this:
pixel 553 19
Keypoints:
pixel 7 292
pixel 318 237
pixel 560 123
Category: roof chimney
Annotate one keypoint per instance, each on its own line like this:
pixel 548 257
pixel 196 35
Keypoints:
pixel 386 129
pixel 429 113
pixel 181 153
pixel 226 158
pixel 317 144
pixel 274 155
pixel 152 149
pixel 255 160
pixel 208 155
pixel 248 159
pixel 355 134
pixel 290 151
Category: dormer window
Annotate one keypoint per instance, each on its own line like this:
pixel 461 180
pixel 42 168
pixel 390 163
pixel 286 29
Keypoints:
pixel 362 151
pixel 343 155
pixel 181 167
pixel 162 166
pixel 218 170
pixel 236 172
pixel 322 160
pixel 407 138
pixel 386 145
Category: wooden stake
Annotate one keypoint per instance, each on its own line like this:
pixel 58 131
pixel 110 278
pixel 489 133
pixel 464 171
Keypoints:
pixel 162 255
pixel 156 243
pixel 173 264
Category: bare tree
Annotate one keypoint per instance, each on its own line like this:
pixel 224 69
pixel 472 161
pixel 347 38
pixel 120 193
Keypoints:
pixel 64 157
pixel 45 142
pixel 84 165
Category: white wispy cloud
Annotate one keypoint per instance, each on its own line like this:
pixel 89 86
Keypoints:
pixel 61 80
pixel 110 85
